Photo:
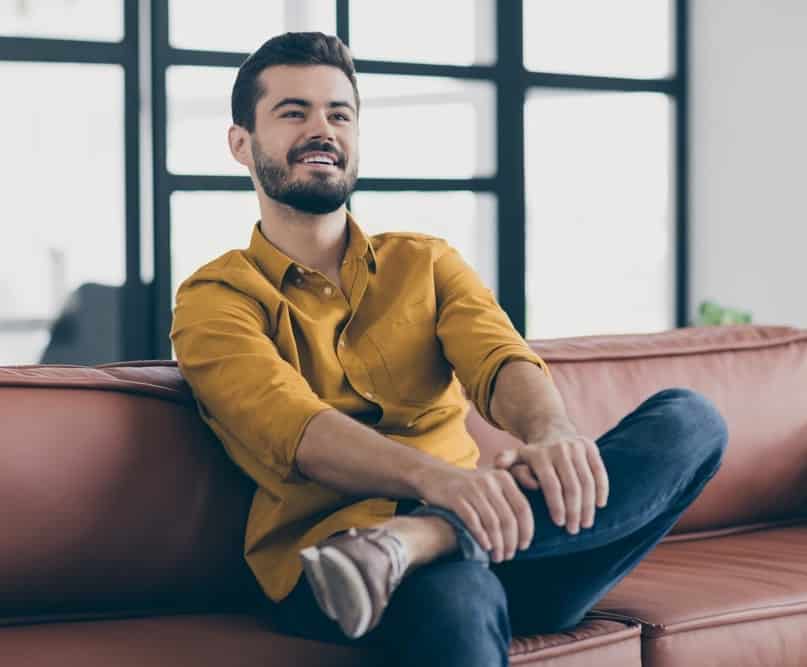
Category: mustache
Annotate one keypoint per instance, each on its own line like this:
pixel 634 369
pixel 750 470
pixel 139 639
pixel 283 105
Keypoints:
pixel 295 153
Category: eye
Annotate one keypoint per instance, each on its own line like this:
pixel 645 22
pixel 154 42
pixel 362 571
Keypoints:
pixel 292 114
pixel 341 116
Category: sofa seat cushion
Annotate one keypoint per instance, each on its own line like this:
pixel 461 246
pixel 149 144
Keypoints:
pixel 734 600
pixel 244 640
pixel 595 641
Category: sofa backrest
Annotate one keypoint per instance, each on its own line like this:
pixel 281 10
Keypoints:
pixel 755 375
pixel 115 495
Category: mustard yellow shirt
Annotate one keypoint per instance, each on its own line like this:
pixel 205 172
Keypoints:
pixel 266 344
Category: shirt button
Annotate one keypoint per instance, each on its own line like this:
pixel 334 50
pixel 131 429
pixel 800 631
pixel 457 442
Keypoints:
pixel 328 290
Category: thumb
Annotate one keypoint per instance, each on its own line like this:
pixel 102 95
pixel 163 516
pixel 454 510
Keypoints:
pixel 506 458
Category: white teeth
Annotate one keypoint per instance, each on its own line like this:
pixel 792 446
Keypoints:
pixel 319 160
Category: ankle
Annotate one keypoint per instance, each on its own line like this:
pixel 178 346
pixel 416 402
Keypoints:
pixel 425 538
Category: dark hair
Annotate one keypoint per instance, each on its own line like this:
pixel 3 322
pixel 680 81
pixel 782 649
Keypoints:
pixel 291 48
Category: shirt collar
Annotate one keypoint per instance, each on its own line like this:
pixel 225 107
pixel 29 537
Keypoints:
pixel 275 264
pixel 360 245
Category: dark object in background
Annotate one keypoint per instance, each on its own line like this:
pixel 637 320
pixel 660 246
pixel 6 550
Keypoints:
pixel 88 330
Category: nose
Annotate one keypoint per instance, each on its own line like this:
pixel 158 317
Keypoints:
pixel 320 127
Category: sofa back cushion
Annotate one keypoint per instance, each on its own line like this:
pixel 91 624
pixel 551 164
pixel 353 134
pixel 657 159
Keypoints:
pixel 755 375
pixel 114 495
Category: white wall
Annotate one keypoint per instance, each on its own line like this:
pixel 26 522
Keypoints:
pixel 748 123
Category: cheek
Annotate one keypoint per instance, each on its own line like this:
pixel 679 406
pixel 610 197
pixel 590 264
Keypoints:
pixel 351 144
pixel 276 142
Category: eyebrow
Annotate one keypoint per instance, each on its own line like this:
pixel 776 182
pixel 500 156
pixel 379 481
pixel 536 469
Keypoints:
pixel 297 101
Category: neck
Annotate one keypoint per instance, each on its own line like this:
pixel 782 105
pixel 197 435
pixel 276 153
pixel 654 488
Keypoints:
pixel 317 241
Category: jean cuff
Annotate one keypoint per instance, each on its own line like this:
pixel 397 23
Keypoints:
pixel 469 548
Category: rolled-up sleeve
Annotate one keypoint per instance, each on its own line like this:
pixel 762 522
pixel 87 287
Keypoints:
pixel 478 337
pixel 256 402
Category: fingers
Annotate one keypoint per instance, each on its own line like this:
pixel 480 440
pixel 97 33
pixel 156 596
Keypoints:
pixel 587 487
pixel 524 476
pixel 572 493
pixel 492 524
pixel 599 472
pixel 569 471
pixel 497 514
pixel 513 520
pixel 525 522
pixel 573 478
pixel 544 470
pixel 465 511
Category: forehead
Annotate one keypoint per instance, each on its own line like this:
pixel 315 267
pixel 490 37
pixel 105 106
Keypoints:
pixel 317 83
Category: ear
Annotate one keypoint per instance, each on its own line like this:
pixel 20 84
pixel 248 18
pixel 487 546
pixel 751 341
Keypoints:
pixel 240 145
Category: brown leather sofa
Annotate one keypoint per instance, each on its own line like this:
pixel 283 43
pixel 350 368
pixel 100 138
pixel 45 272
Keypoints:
pixel 121 518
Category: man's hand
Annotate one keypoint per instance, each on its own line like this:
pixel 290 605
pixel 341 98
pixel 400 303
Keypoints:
pixel 489 502
pixel 569 469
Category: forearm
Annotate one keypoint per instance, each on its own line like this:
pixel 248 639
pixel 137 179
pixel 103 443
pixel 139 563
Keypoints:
pixel 525 401
pixel 343 454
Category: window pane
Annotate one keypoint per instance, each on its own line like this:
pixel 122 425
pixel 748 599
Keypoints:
pixel 426 127
pixel 205 225
pixel 62 211
pixel 625 38
pixel 198 118
pixel 448 125
pixel 23 347
pixel 243 25
pixel 65 19
pixel 600 250
pixel 415 31
pixel 466 220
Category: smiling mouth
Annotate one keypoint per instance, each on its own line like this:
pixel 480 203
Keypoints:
pixel 319 159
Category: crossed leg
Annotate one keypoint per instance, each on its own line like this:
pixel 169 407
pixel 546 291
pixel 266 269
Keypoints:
pixel 658 458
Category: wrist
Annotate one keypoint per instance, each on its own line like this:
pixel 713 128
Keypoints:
pixel 420 477
pixel 546 428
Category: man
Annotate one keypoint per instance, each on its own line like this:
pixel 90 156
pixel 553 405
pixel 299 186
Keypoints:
pixel 331 367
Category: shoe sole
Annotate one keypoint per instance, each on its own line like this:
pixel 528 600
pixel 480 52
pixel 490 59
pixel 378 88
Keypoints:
pixel 316 580
pixel 338 588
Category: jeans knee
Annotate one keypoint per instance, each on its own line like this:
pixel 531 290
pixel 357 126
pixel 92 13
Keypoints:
pixel 481 595
pixel 696 420
pixel 465 601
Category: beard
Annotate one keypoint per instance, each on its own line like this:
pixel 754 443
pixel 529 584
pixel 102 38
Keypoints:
pixel 319 193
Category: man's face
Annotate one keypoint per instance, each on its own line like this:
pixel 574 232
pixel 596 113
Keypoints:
pixel 305 143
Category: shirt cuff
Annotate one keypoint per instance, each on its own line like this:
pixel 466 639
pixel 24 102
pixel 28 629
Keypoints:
pixel 485 396
pixel 290 472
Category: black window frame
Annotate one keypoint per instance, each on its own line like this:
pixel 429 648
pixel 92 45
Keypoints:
pixel 512 82
pixel 136 330
pixel 146 309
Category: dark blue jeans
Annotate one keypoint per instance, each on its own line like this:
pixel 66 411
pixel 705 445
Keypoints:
pixel 463 609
